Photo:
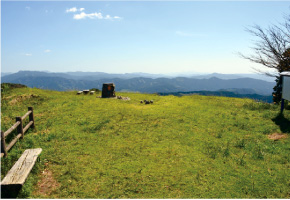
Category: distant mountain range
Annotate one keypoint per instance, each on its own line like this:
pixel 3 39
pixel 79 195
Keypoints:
pixel 235 76
pixel 5 73
pixel 102 75
pixel 82 75
pixel 139 82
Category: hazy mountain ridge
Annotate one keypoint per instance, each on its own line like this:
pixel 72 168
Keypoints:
pixel 235 76
pixel 79 75
pixel 64 81
pixel 5 73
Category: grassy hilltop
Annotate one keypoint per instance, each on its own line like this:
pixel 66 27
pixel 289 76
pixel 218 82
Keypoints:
pixel 177 147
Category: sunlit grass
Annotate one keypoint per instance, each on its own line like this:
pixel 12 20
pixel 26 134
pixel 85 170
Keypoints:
pixel 177 147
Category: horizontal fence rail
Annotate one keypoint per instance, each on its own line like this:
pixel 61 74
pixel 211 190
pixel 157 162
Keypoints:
pixel 20 130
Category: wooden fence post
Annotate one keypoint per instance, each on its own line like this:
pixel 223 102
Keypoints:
pixel 20 127
pixel 31 117
pixel 3 144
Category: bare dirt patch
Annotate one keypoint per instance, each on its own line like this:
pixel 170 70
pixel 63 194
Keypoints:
pixel 47 184
pixel 277 136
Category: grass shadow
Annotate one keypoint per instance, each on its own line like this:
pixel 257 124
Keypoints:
pixel 284 123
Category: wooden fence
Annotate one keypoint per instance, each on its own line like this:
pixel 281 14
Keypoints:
pixel 20 130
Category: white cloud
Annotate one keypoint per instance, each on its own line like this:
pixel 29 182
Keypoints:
pixel 108 17
pixel 28 54
pixel 47 51
pixel 84 15
pixel 27 8
pixel 95 15
pixel 74 9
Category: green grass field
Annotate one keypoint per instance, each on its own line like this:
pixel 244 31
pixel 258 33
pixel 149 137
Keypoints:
pixel 177 147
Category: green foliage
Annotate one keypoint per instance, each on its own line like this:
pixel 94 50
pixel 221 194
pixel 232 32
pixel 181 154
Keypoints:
pixel 7 86
pixel 177 147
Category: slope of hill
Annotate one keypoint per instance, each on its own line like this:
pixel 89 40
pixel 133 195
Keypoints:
pixel 224 93
pixel 62 82
pixel 177 147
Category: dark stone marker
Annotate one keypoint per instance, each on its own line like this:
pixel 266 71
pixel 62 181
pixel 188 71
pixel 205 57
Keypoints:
pixel 86 91
pixel 108 90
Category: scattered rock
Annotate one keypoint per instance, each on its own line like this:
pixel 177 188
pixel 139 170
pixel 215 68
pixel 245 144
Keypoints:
pixel 123 98
pixel 147 102
pixel 117 97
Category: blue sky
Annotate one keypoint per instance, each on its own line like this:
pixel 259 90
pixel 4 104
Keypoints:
pixel 124 37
